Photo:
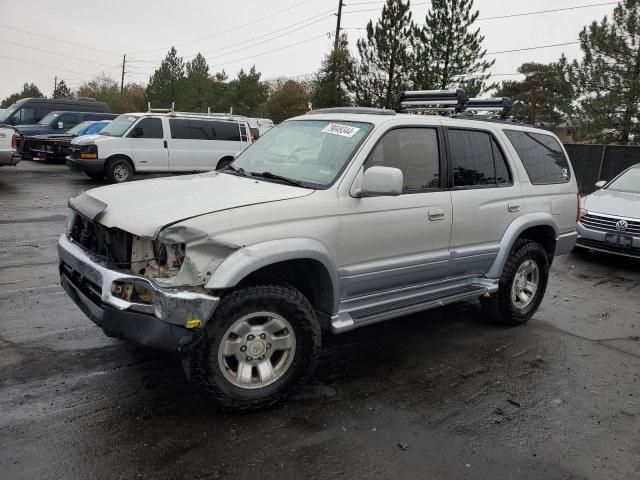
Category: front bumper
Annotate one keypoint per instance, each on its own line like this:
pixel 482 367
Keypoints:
pixel 160 324
pixel 595 240
pixel 94 166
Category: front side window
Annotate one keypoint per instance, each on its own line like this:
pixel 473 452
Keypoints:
pixel 49 119
pixel 150 128
pixel 309 151
pixel 629 181
pixel 119 126
pixel 415 152
pixel 476 159
pixel 25 115
pixel 68 120
pixel 542 157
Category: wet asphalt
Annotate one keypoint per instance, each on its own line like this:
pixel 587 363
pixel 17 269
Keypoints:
pixel 436 395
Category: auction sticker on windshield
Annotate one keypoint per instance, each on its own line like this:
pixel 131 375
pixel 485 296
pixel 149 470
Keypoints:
pixel 342 130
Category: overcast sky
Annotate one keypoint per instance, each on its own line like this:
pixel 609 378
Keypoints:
pixel 227 32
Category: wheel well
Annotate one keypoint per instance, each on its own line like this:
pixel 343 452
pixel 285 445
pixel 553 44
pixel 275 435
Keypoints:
pixel 307 275
pixel 544 235
pixel 224 161
pixel 121 157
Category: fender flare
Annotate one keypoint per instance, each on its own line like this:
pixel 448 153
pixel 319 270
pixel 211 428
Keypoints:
pixel 515 228
pixel 251 258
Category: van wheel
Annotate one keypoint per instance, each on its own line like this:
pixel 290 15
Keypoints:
pixel 261 343
pixel 119 170
pixel 521 286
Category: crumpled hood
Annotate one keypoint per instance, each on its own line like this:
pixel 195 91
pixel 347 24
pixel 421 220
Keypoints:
pixel 610 202
pixel 145 207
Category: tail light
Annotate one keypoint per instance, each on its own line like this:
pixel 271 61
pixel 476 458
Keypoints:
pixel 14 141
pixel 251 137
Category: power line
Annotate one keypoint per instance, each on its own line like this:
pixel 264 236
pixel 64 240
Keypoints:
pixel 51 53
pixel 35 63
pixel 377 9
pixel 56 39
pixel 217 34
pixel 532 48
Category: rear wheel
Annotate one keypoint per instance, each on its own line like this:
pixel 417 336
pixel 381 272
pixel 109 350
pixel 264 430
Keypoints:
pixel 119 170
pixel 261 343
pixel 521 286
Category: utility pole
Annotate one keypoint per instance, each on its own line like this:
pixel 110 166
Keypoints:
pixel 533 99
pixel 336 40
pixel 55 84
pixel 124 61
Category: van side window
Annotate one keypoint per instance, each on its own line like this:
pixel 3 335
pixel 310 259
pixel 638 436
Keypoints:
pixel 179 129
pixel 542 157
pixel 227 131
pixel 25 115
pixel 151 128
pixel 415 152
pixel 201 130
pixel 476 159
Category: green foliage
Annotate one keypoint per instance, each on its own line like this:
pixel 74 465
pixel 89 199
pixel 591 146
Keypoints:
pixel 194 89
pixel 61 91
pixel 607 79
pixel 382 69
pixel 29 90
pixel 106 89
pixel 329 85
pixel 288 99
pixel 447 51
pixel 554 92
pixel 167 82
pixel 246 93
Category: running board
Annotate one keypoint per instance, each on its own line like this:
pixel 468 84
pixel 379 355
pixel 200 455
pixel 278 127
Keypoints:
pixel 358 312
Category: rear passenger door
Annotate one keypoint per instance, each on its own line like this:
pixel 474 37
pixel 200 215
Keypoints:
pixel 203 146
pixel 148 145
pixel 485 198
pixel 180 146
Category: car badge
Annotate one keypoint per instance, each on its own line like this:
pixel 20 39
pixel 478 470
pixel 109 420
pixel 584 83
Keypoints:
pixel 622 225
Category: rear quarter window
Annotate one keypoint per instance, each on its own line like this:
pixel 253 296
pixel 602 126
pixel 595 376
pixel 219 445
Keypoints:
pixel 542 157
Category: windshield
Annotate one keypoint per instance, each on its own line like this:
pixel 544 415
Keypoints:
pixel 309 151
pixel 629 181
pixel 78 128
pixel 7 113
pixel 49 118
pixel 119 126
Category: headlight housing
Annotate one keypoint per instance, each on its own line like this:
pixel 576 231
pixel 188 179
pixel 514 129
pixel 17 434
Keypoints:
pixel 89 151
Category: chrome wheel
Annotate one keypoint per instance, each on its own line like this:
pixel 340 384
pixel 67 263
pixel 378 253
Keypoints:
pixel 121 172
pixel 257 350
pixel 525 284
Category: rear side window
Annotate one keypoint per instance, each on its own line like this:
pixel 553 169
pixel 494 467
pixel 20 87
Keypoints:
pixel 229 131
pixel 542 157
pixel 415 152
pixel 151 128
pixel 476 159
pixel 180 129
pixel 201 130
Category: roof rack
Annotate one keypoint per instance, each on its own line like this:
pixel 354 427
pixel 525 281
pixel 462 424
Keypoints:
pixel 360 110
pixel 453 102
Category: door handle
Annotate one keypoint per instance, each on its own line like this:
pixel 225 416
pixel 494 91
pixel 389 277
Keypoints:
pixel 514 207
pixel 166 145
pixel 436 214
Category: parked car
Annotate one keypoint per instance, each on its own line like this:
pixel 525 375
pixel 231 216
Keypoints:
pixel 59 122
pixel 610 220
pixel 158 142
pixel 333 221
pixel 56 146
pixel 28 111
pixel 9 140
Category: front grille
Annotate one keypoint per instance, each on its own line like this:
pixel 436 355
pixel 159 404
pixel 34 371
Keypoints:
pixel 608 224
pixel 589 243
pixel 112 244
pixel 74 152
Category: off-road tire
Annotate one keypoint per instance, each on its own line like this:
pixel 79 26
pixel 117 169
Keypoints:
pixel 499 308
pixel 111 169
pixel 201 364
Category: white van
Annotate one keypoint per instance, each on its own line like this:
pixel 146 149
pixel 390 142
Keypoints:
pixel 159 142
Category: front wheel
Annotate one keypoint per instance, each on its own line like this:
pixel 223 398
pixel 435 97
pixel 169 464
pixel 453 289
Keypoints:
pixel 119 170
pixel 261 342
pixel 521 286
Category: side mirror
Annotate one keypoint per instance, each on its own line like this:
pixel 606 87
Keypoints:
pixel 60 126
pixel 137 132
pixel 600 184
pixel 381 181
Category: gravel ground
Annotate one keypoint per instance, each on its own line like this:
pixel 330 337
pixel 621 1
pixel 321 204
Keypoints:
pixel 433 395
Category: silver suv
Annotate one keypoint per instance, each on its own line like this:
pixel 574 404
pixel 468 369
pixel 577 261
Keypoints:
pixel 332 221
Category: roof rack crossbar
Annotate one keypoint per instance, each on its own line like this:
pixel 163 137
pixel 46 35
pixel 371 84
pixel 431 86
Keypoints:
pixel 451 101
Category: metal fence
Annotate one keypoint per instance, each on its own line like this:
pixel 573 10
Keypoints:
pixel 600 162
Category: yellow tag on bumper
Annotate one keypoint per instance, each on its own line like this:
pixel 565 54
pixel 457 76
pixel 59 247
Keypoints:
pixel 193 323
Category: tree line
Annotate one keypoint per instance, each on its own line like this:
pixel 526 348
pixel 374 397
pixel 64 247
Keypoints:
pixel 597 96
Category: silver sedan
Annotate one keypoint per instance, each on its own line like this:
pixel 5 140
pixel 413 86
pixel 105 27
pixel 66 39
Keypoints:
pixel 610 217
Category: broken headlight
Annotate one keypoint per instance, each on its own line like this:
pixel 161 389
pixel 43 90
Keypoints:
pixel 169 258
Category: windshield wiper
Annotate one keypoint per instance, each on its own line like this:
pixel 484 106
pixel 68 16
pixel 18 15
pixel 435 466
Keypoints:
pixel 234 170
pixel 273 176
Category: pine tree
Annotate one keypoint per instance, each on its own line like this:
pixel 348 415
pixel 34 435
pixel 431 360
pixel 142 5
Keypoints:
pixel 195 88
pixel 381 71
pixel 447 52
pixel 247 93
pixel 61 90
pixel 329 85
pixel 607 78
pixel 29 90
pixel 553 92
pixel 167 81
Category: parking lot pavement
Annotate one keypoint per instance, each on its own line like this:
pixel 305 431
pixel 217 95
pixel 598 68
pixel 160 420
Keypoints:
pixel 434 395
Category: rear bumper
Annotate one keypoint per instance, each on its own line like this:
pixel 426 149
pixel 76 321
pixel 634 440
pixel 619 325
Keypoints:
pixel 95 166
pixel 565 243
pixel 160 324
pixel 9 158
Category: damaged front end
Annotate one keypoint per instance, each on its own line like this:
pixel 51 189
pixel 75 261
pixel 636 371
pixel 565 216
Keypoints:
pixel 149 291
